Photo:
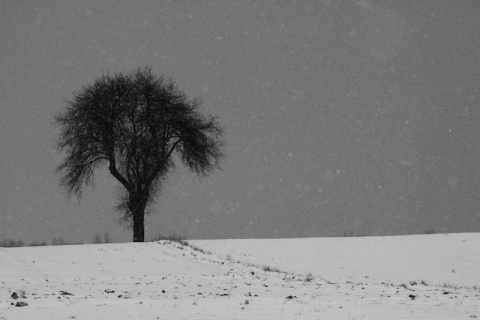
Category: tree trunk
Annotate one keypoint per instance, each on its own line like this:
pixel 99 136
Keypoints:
pixel 138 228
pixel 139 222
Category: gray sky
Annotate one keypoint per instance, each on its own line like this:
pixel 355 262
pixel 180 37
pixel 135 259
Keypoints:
pixel 341 116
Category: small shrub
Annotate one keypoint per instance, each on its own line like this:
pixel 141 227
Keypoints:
pixel 57 242
pixel 352 233
pixel 106 238
pixel 348 234
pixel 10 243
pixel 270 269
pixel 97 239
pixel 38 244
pixel 62 242
pixel 309 278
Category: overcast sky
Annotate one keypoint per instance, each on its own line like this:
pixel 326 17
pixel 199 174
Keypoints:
pixel 341 116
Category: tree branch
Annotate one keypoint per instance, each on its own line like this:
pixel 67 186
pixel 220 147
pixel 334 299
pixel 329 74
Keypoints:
pixel 119 177
pixel 160 164
pixel 114 171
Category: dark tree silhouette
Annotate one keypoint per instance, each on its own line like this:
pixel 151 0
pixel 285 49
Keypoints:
pixel 134 124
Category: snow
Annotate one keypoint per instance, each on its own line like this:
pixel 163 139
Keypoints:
pixel 404 277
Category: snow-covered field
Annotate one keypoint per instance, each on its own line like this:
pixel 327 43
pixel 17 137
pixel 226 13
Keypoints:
pixel 406 277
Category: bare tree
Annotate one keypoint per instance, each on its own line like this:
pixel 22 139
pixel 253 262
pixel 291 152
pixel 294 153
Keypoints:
pixel 134 124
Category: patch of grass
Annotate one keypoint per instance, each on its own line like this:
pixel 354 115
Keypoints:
pixel 450 286
pixel 265 268
pixel 173 237
pixel 178 239
pixel 198 249
pixel 270 269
